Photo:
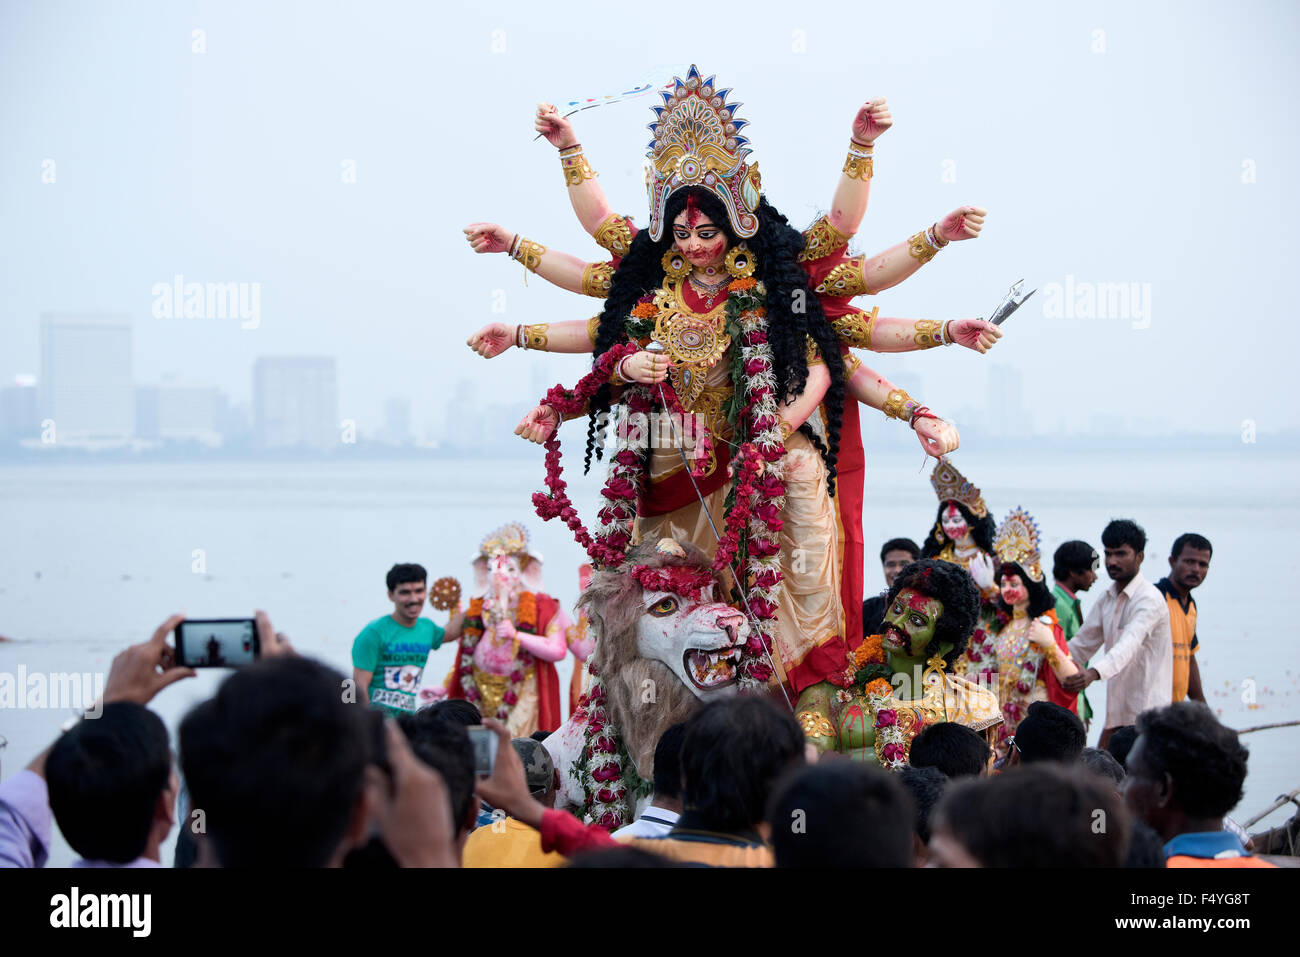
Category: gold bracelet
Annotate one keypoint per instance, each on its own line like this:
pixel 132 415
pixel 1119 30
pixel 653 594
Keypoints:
pixel 574 164
pixel 896 405
pixel 919 247
pixel 534 337
pixel 928 333
pixel 529 253
pixel 858 164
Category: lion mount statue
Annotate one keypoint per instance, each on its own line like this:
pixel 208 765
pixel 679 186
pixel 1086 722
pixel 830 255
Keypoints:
pixel 664 644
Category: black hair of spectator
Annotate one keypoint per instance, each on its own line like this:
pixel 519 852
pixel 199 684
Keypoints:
pixel 276 762
pixel 926 786
pixel 954 749
pixel 1121 743
pixel 841 814
pixel 619 857
pixel 1205 759
pixel 1190 539
pixel 1146 848
pixel 1072 556
pixel 105 777
pixel 444 746
pixel 456 710
pixel 1049 732
pixel 900 545
pixel 668 761
pixel 1042 815
pixel 404 574
pixel 1102 763
pixel 954 587
pixel 1040 596
pixel 732 755
pixel 1124 531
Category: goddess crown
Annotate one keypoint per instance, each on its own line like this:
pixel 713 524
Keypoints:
pixel 509 539
pixel 951 485
pixel 697 142
pixel 1017 541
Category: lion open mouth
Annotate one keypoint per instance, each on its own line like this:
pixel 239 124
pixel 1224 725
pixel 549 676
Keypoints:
pixel 711 669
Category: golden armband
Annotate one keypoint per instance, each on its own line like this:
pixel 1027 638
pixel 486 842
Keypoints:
pixel 928 333
pixel 574 164
pixel 815 725
pixel 846 280
pixel 597 279
pixel 533 337
pixel 614 235
pixel 858 163
pixel 593 327
pixel 813 355
pixel 821 239
pixel 896 405
pixel 855 329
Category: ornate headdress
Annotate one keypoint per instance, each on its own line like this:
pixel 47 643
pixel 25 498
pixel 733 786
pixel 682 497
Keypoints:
pixel 1017 541
pixel 509 539
pixel 951 485
pixel 697 142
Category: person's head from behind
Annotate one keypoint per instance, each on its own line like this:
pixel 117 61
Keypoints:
pixel 732 755
pixel 1121 743
pixel 1075 565
pixel 444 745
pixel 1189 560
pixel 954 749
pixel 407 590
pixel 1044 815
pixel 668 767
pixel 1186 770
pixel 1104 765
pixel 839 813
pixel 276 763
pixel 111 786
pixel 926 786
pixel 457 711
pixel 895 555
pixel 1048 732
pixel 1124 543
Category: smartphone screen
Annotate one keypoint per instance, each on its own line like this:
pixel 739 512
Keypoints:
pixel 216 642
pixel 484 741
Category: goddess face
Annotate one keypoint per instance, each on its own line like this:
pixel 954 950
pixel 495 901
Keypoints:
pixel 954 523
pixel 909 623
pixel 699 239
pixel 1013 589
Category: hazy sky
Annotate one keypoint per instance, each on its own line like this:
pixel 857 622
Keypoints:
pixel 1150 143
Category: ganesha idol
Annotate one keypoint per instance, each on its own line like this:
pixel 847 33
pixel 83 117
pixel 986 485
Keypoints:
pixel 512 637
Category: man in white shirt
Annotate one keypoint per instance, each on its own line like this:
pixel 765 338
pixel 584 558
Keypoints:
pixel 660 815
pixel 1132 621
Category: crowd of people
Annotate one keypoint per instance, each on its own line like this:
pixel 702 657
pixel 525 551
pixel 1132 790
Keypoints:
pixel 284 766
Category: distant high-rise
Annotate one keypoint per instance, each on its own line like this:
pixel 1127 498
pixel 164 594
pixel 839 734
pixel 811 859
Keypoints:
pixel 19 418
pixel 85 382
pixel 397 420
pixel 1006 412
pixel 295 403
pixel 180 412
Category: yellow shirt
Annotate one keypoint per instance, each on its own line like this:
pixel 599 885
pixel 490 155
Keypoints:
pixel 514 845
pixel 1182 629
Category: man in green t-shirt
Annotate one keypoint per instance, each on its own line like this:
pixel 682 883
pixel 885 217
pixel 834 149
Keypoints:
pixel 388 656
pixel 1074 566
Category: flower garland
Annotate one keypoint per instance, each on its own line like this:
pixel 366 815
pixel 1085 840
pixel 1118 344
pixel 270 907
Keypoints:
pixel 609 780
pixel 472 633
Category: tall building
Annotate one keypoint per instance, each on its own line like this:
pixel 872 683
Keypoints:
pixel 397 421
pixel 19 411
pixel 180 412
pixel 295 403
pixel 85 382
pixel 1006 413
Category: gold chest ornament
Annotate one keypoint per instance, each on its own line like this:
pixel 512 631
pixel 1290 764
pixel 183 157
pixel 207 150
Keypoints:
pixel 696 341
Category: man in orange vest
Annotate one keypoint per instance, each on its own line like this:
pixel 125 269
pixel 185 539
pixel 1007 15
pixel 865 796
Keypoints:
pixel 1189 563
pixel 1185 773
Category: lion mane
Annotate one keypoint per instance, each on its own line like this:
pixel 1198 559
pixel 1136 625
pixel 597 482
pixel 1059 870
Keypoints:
pixel 643 697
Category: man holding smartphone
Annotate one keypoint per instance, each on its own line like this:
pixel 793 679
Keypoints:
pixel 389 654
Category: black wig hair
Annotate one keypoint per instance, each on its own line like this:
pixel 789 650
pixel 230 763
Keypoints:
pixel 793 311
pixel 953 586
pixel 981 530
pixel 1041 600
